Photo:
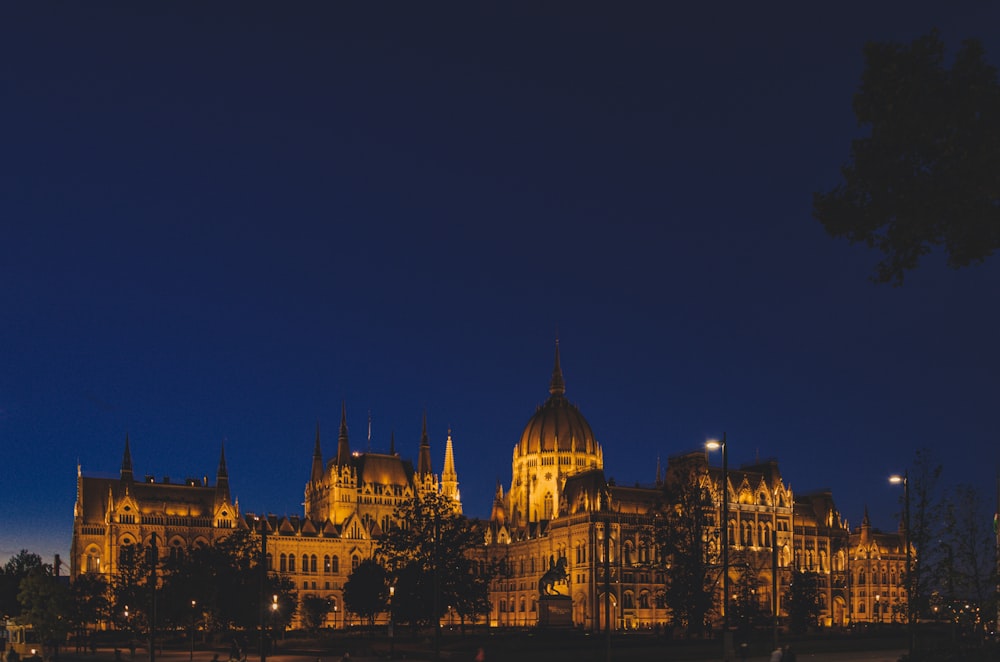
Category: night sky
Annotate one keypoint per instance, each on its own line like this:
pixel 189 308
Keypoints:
pixel 218 221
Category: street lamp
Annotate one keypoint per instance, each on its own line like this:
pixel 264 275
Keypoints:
pixel 263 583
pixel 715 444
pixel 191 656
pixel 896 479
pixel 392 633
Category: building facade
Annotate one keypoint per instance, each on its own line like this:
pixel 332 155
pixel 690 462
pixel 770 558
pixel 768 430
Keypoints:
pixel 559 511
pixel 560 505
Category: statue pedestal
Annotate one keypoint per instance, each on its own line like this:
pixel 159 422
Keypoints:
pixel 555 611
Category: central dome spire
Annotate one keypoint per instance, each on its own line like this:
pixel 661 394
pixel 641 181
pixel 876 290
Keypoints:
pixel 557 386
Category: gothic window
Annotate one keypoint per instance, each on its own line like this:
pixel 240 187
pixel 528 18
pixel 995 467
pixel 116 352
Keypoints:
pixel 283 563
pixel 534 604
pixel 627 551
pixel 548 505
pixel 644 600
pixel 628 600
pixel 270 561
pixel 523 604
pixel 335 565
pixel 176 551
pixel 312 563
pixel 354 562
pixel 861 578
pixel 93 563
pixel 885 577
pixel 326 564
pixel 503 606
pixel 291 563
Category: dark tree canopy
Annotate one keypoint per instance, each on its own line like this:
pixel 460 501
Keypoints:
pixel 928 174
pixel 366 591
pixel 681 532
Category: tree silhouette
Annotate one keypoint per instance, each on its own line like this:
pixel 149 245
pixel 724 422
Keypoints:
pixel 928 174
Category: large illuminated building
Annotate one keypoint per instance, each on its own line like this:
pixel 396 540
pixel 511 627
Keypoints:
pixel 561 505
pixel 559 508
pixel 349 501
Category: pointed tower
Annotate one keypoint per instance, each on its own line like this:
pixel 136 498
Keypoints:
pixel 316 475
pixel 222 478
pixel 424 458
pixel 499 512
pixel 557 387
pixel 343 447
pixel 449 478
pixel 126 476
pixel 866 527
pixel 392 442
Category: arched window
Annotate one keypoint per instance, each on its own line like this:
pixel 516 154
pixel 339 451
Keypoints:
pixel 335 565
pixel 283 563
pixel 291 563
pixel 312 563
pixel 644 600
pixel 523 604
pixel 861 578
pixel 502 606
pixel 326 564
pixel 628 600
pixel 627 551
pixel 355 561
pixel 93 561
pixel 548 508
pixel 270 561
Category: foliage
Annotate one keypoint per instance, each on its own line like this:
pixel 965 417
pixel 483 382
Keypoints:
pixel 315 609
pixel 473 599
pixel 802 601
pixel 366 591
pixel 226 582
pixel 429 559
pixel 929 172
pixel 44 603
pixel 16 569
pixel 89 600
pixel 924 531
pixel 969 568
pixel 130 595
pixel 681 532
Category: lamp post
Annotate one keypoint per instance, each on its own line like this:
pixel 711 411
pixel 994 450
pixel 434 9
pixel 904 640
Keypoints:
pixel 896 479
pixel 715 444
pixel 392 632
pixel 263 584
pixel 191 656
pixel 774 569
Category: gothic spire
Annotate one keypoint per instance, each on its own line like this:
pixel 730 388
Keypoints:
pixel 449 478
pixel 392 442
pixel 126 475
pixel 424 459
pixel 222 477
pixel 343 447
pixel 557 386
pixel 222 473
pixel 317 462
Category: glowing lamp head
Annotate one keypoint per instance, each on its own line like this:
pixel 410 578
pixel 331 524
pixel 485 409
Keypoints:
pixel 896 479
pixel 713 444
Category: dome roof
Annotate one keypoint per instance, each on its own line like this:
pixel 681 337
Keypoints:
pixel 557 425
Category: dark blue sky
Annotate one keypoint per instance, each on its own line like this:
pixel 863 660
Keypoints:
pixel 219 221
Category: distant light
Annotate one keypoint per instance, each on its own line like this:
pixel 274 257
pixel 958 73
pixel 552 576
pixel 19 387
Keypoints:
pixel 713 444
